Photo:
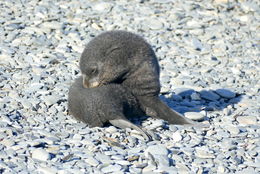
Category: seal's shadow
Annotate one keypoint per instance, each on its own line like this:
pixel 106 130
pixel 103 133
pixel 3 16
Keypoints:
pixel 189 100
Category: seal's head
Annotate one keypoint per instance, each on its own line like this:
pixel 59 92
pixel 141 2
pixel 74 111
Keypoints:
pixel 106 59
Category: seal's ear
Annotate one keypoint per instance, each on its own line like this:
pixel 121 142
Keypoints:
pixel 122 123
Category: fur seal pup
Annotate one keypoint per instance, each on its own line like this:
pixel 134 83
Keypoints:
pixel 125 58
pixel 108 103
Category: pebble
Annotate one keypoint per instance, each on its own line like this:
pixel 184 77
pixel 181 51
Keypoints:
pixel 92 161
pixel 176 136
pixel 157 150
pixel 195 96
pixel 8 143
pixel 111 129
pixel 123 162
pixel 102 7
pixel 209 95
pixel 225 93
pixel 184 92
pixel 233 130
pixel 246 120
pixel 157 123
pixel 41 154
pixel 154 24
pixel 111 168
pixel 204 153
pixel 52 99
pixel 47 170
pixel 103 158
pixel 196 116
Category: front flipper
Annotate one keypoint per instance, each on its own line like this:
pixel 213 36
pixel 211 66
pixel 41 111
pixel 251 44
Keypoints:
pixel 121 123
pixel 154 107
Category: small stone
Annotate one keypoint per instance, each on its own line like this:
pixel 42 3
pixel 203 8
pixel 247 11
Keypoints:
pixel 155 24
pixel 209 95
pixel 245 120
pixel 149 169
pixel 221 169
pixel 133 158
pixel 204 153
pixel 52 25
pixel 103 158
pixel 7 142
pixel 77 137
pixel 41 154
pixel 247 170
pixel 157 150
pixel 156 123
pixel 51 99
pixel 123 162
pixel 111 168
pixel 47 170
pixel 176 136
pixel 233 130
pixel 197 116
pixel 176 98
pixel 162 161
pixel 221 1
pixel 102 7
pixel 195 96
pixel 225 93
pixel 197 44
pixel 182 168
pixel 184 92
pixel 173 128
pixel 92 161
pixel 111 129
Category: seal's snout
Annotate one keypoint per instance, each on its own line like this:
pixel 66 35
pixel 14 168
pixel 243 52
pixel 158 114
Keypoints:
pixel 90 83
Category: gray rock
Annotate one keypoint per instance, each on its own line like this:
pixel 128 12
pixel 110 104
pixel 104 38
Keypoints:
pixel 155 24
pixel 225 93
pixel 157 150
pixel 92 161
pixel 197 44
pixel 246 120
pixel 197 116
pixel 233 130
pixel 204 153
pixel 176 97
pixel 111 168
pixel 111 129
pixel 176 136
pixel 103 7
pixel 184 92
pixel 195 96
pixel 209 95
pixel 41 154
pixel 47 170
pixel 103 158
pixel 156 123
pixel 51 99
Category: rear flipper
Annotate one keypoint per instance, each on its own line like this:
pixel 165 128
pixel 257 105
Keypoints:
pixel 154 107
pixel 121 123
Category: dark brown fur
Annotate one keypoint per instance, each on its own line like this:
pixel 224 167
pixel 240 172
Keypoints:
pixel 125 58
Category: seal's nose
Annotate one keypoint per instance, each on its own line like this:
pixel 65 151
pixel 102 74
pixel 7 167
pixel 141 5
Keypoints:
pixel 85 81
